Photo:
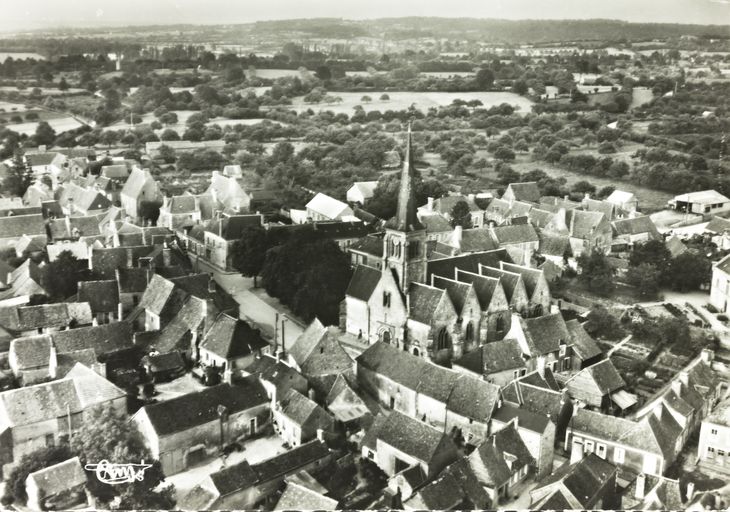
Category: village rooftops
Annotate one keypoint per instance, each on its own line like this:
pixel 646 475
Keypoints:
pixel 201 407
pixel 230 338
pixel 299 497
pixel 489 460
pixel 456 487
pixel 327 206
pixel 579 482
pixel 59 477
pixel 494 357
pixel 545 333
pixel 721 413
pixel 702 197
pixel 526 191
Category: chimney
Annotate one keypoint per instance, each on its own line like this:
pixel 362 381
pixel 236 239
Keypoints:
pixel 457 236
pixel 707 355
pixel 429 205
pixel 94 322
pixel 211 284
pixel 541 366
pixel 471 197
pixel 684 378
pixel 311 394
pixel 677 387
pixel 690 491
pixel 587 196
pixel 120 312
pixel 566 198
pixel 640 486
pixel 165 202
pixel 130 259
pixel 278 356
pixel 320 435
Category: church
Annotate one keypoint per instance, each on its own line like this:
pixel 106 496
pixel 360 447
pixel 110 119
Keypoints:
pixel 438 309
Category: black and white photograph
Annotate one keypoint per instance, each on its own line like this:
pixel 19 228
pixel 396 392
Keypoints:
pixel 330 255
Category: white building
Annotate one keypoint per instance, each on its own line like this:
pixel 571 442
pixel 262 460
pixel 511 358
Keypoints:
pixel 324 207
pixel 704 202
pixel 361 191
pixel 720 289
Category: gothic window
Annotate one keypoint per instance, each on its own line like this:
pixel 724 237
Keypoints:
pixel 416 352
pixel 538 310
pixel 386 336
pixel 442 339
pixel 500 324
pixel 469 332
pixel 397 250
pixel 386 299
pixel 413 250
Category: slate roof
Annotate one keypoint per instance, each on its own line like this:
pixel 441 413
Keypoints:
pixel 104 339
pixel 539 217
pixel 234 478
pixel 554 245
pixel 636 226
pixel 412 437
pixel 605 207
pixel 363 282
pixel 582 479
pixel 582 223
pixel 541 401
pixel 32 351
pixel 718 225
pixel 231 338
pixel 291 461
pixel 468 262
pixel 198 408
pixel 515 234
pixel 475 240
pixel 299 497
pixel 435 224
pixel 369 245
pixel 605 376
pixel 232 227
pixel 445 204
pixel 16 226
pixel 530 276
pixel 486 287
pixel 132 280
pixel 164 362
pixel 660 493
pixel 304 412
pixel 423 301
pixel 58 478
pixel 494 357
pixel 102 296
pixel 526 418
pixel 457 487
pixel 583 344
pixel 525 191
pixel 488 460
pixel 80 389
pixel 545 333
pixel 458 292
pixel 318 352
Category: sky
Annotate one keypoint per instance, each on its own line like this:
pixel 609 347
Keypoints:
pixel 26 14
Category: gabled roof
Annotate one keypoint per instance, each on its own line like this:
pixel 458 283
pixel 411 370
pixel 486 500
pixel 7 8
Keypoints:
pixel 16 226
pixel 327 206
pixel 457 291
pixel 412 437
pixel 620 197
pixel 718 225
pixel 230 338
pixel 290 461
pixel 515 234
pixel 509 280
pixel 490 460
pixel 102 296
pixel 435 224
pixel 445 204
pixel 457 487
pixel 660 493
pixel 304 412
pixel 636 226
pixel 494 357
pixel 581 223
pixel 583 344
pixel 581 480
pixel 539 217
pixel 104 339
pixel 32 351
pixel 486 287
pixel 605 207
pixel 601 376
pixel 137 180
pixel 423 301
pixel 545 333
pixel 299 497
pixel 554 245
pixel 525 191
pixel 318 352
pixel 468 262
pixel 198 408
pixel 702 197
pixel 530 276
pixel 363 282
pixel 58 478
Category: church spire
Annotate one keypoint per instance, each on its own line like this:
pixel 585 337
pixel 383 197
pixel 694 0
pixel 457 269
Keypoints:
pixel 405 218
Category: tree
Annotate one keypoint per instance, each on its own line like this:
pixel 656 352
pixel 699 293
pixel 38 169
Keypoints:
pixel 19 177
pixel 484 78
pixel 689 271
pixel 646 278
pixel 167 153
pixel 384 97
pixel 15 491
pixel 366 99
pixel 583 187
pixel 61 276
pixel 169 134
pixel 596 272
pixel 109 436
pixel 150 211
pixel 653 252
pixel 461 215
pixel 44 134
pixel 63 85
pixel 504 153
pixel 249 252
pixel 603 324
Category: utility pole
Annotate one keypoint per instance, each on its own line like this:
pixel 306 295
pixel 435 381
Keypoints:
pixel 276 332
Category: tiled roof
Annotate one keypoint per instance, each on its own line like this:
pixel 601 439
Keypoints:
pixel 488 460
pixel 423 301
pixel 582 479
pixel 299 497
pixel 458 292
pixel 102 296
pixel 234 478
pixel 545 333
pixel 526 191
pixel 16 226
pixel 457 487
pixel 494 357
pixel 231 338
pixel 368 244
pixel 363 282
pixel 554 245
pixel 327 206
pixel 31 351
pixel 530 420
pixel 136 182
pixel 583 344
pixel 515 234
pixel 606 208
pixel 530 276
pixel 485 287
pixel 132 280
pixel 104 339
pixel 718 225
pixel 583 223
pixel 164 362
pixel 291 461
pixel 445 204
pixel 636 226
pixel 198 408
pixel 475 240
pixel 435 224
pixel 539 217
pixel 58 478
pixel 413 437
pixel 303 411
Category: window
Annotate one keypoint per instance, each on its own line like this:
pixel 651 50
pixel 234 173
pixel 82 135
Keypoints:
pixel 49 439
pixel 713 431
pixel 562 350
pixel 516 373
pixel 720 453
pixel 413 250
pixel 588 447
pixel 386 299
pixel 618 455
pixel 500 324
pixel 442 339
pixel 553 366
pixel 601 450
pixel 710 452
pixel 469 332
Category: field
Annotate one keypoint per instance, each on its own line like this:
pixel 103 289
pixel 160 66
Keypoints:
pixel 272 74
pixel 403 100
pixel 181 126
pixel 59 124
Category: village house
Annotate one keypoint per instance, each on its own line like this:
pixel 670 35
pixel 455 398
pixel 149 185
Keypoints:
pixel 498 362
pixel 301 497
pixel 714 444
pixel 465 241
pixel 455 488
pixel 141 187
pixel 626 203
pixel 361 191
pixel 520 241
pixel 444 207
pixel 228 191
pixel 186 430
pixel 396 442
pixel 220 234
pixel 527 192
pixel 323 207
pixel 438 228
pixel 14 227
pixel 163 367
pixel 103 299
pixel 231 344
pixel 179 212
pixel 504 212
pixel 587 230
pixel 348 405
pixel 705 203
pixel 651 492
pixel 297 419
pixel 599 388
pixel 608 209
pixel 586 484
pixel 546 340
pixel 33 417
pixel 24 280
pixel 76 200
pixel 447 399
pixel 243 485
pixel 45 318
pixel 633 230
pixel 59 486
pixel 32 359
pixel 37 194
pixel 501 464
pixel 276 376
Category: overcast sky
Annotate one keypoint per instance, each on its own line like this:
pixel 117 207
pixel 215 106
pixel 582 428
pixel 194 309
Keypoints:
pixel 20 14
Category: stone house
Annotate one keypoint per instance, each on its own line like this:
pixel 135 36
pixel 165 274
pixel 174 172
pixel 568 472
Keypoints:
pixel 588 484
pixel 242 486
pixel 185 430
pixel 587 230
pixel 33 359
pixel 503 212
pixel 396 442
pixel 361 191
pixel 179 212
pixel 546 340
pixel 455 488
pixel 220 234
pixel 323 207
pixel 231 344
pixel 714 445
pixel 229 192
pixel 626 203
pixel 498 362
pixel 38 416
pixel 596 387
pixel 650 492
pixel 633 230
pixel 103 299
pixel 297 419
pixel 444 206
pixel 536 431
pixel 277 377
pixel 527 191
pixel 14 227
pixel 501 464
pixel 520 241
pixel 140 187
pixel 57 487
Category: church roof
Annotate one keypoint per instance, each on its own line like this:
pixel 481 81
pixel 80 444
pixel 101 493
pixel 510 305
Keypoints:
pixel 406 218
pixel 363 282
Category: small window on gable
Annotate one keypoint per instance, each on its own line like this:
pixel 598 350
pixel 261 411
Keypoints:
pixel 386 299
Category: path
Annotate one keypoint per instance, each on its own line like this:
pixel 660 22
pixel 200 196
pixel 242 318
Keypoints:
pixel 253 307
pixel 619 345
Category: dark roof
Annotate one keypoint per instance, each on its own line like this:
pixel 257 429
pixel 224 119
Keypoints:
pixel 545 333
pixel 494 357
pixel 363 282
pixel 435 224
pixel 102 296
pixel 476 240
pixel 132 280
pixel 457 291
pixel 412 437
pixel 406 218
pixel 16 226
pixel 230 338
pixel 32 351
pixel 103 339
pixel 525 191
pixel 369 245
pixel 232 227
pixel 317 351
pixel 515 234
pixel 583 479
pixel 445 204
pixel 423 301
pixel 530 276
pixel 469 262
pixel 718 225
pixel 489 460
pixel 525 418
pixel 234 478
pixel 636 226
pixel 291 461
pixel 484 286
pixel 555 245
pixel 508 280
pixel 457 487
pixel 198 408
pixel 303 411
pixel 583 344
pixel 164 362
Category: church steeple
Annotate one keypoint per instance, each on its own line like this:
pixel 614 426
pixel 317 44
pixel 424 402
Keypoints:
pixel 406 218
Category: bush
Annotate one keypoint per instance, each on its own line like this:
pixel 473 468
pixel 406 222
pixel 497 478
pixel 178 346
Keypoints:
pixel 722 318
